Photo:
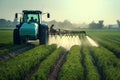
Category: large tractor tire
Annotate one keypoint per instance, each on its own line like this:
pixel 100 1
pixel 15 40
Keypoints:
pixel 16 38
pixel 43 37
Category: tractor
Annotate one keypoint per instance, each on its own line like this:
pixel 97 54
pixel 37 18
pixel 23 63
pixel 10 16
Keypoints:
pixel 30 27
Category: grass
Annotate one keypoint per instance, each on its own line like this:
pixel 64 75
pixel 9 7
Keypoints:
pixel 6 42
pixel 18 67
pixel 108 39
pixel 72 69
pixel 93 63
pixel 108 63
pixel 91 71
pixel 6 37
pixel 46 66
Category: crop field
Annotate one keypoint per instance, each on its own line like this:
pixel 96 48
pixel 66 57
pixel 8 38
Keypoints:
pixel 95 56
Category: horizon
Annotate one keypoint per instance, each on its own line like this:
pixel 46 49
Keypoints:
pixel 75 11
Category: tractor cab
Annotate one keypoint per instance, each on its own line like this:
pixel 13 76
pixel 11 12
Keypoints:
pixel 31 28
pixel 32 16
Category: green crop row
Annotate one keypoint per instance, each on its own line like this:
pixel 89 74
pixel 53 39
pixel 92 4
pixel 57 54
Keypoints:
pixel 110 45
pixel 20 66
pixel 10 48
pixel 6 37
pixel 72 69
pixel 108 63
pixel 91 71
pixel 113 41
pixel 46 66
pixel 110 38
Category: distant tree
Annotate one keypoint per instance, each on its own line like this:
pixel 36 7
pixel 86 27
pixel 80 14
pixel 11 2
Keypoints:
pixel 64 24
pixel 5 23
pixel 2 22
pixel 93 25
pixel 98 25
pixel 118 22
pixel 53 22
pixel 67 23
pixel 110 26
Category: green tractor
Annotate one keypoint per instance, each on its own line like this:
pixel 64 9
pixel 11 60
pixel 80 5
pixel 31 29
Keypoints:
pixel 31 28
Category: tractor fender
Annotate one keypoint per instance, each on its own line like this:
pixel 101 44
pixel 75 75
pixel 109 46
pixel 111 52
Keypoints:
pixel 18 26
pixel 44 27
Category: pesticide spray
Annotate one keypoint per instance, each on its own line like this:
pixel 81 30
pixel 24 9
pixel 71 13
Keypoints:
pixel 65 41
pixel 92 42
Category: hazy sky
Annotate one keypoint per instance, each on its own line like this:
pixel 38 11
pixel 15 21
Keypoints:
pixel 76 11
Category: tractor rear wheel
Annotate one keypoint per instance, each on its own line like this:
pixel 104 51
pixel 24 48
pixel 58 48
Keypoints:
pixel 16 38
pixel 43 39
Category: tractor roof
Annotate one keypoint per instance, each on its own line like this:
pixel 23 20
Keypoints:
pixel 32 11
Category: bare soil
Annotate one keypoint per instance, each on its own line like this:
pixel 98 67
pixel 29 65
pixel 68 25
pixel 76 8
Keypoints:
pixel 56 69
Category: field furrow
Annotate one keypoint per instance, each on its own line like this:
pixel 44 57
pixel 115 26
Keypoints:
pixel 15 52
pixel 108 63
pixel 72 69
pixel 20 66
pixel 94 55
pixel 46 66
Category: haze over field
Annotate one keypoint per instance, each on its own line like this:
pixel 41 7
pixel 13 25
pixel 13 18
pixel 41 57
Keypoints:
pixel 76 11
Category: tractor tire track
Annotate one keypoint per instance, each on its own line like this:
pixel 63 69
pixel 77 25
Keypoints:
pixel 95 64
pixel 93 60
pixel 35 68
pixel 56 69
pixel 14 53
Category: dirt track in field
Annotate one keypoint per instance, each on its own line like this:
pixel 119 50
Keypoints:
pixel 14 53
pixel 56 69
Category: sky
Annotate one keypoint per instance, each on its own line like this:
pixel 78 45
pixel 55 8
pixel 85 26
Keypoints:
pixel 76 11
